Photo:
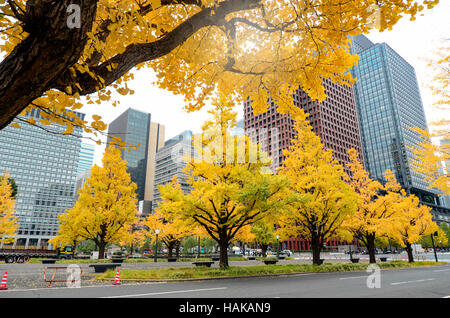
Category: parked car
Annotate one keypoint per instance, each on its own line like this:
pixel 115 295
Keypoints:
pixel 287 252
pixel 136 256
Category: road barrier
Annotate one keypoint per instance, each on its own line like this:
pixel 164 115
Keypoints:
pixel 117 280
pixel 56 268
pixel 3 285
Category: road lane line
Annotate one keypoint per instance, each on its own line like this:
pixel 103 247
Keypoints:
pixel 413 281
pixel 342 278
pixel 165 293
pixel 441 270
pixel 90 286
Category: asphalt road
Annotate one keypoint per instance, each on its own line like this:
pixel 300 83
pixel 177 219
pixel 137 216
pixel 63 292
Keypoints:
pixel 421 282
pixel 31 276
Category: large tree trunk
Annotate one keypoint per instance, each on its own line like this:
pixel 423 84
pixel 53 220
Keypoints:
pixel 315 249
pixel 264 249
pixel 316 246
pixel 170 247
pixel 409 250
pixel 101 250
pixel 223 261
pixel 41 62
pixel 369 242
pixel 48 51
pixel 178 250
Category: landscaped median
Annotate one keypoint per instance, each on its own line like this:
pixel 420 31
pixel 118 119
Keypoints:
pixel 137 260
pixel 183 273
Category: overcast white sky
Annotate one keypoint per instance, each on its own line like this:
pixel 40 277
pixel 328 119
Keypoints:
pixel 413 40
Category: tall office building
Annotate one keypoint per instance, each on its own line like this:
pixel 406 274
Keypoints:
pixel 44 167
pixel 389 103
pixel 239 129
pixel 170 162
pixel 334 120
pixel 136 128
pixel 445 200
pixel 86 159
pixel 79 182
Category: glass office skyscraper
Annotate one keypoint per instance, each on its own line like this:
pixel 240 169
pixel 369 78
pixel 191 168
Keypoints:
pixel 389 104
pixel 44 167
pixel 86 158
pixel 170 162
pixel 136 128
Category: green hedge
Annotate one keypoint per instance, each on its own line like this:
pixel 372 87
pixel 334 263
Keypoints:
pixel 205 272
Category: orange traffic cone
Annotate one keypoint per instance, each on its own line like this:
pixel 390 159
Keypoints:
pixel 4 281
pixel 117 280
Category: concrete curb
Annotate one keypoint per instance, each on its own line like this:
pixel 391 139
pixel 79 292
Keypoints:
pixel 207 278
pixel 247 276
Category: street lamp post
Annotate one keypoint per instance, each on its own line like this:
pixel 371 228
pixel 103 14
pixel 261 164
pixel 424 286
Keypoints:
pixel 198 248
pixel 156 245
pixel 278 246
pixel 434 247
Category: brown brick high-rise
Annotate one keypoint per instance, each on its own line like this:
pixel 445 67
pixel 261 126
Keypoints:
pixel 334 120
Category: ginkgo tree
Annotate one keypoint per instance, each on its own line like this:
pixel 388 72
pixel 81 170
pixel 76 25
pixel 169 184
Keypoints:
pixel 264 235
pixel 105 208
pixel 231 188
pixel 429 157
pixel 8 223
pixel 134 236
pixel 55 52
pixel 375 204
pixel 413 221
pixel 319 199
pixel 434 148
pixel 172 228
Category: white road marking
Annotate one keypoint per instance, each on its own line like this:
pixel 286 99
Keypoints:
pixel 413 281
pixel 446 296
pixel 441 270
pixel 354 277
pixel 91 286
pixel 295 275
pixel 165 293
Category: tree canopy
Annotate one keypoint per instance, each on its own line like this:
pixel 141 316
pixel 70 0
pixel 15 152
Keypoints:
pixel 375 203
pixel 8 223
pixel 231 189
pixel 319 199
pixel 105 208
pixel 244 48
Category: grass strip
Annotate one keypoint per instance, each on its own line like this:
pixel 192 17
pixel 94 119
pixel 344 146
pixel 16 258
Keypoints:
pixel 174 273
pixel 131 260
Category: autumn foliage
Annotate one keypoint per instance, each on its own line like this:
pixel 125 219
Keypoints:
pixel 105 208
pixel 255 48
pixel 319 199
pixel 8 223
pixel 230 190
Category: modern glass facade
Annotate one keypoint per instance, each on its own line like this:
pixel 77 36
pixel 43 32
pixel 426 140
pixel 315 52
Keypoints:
pixel 389 103
pixel 44 166
pixel 446 169
pixel 86 159
pixel 135 127
pixel 170 162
